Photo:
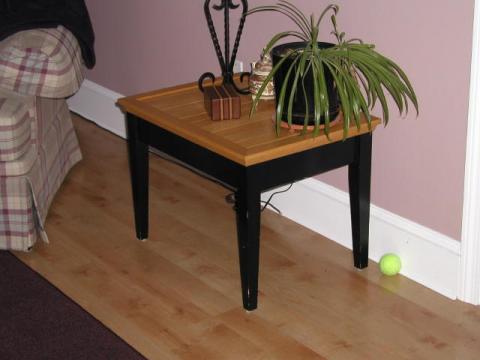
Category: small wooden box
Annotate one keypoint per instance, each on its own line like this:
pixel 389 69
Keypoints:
pixel 222 102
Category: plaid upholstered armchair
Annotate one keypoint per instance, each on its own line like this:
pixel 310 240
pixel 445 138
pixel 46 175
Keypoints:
pixel 38 69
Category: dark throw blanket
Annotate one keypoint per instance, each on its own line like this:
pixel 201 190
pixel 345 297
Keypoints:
pixel 18 15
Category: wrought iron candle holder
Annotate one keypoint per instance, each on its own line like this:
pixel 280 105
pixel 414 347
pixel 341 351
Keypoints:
pixel 225 59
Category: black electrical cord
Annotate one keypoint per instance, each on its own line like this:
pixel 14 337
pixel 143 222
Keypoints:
pixel 277 210
pixel 230 199
pixel 268 202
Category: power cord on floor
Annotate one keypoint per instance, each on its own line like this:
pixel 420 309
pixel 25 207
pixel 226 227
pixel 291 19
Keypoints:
pixel 268 202
pixel 230 199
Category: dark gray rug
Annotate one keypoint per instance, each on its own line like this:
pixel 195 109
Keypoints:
pixel 37 321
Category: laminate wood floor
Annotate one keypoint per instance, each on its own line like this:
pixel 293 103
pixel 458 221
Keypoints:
pixel 177 295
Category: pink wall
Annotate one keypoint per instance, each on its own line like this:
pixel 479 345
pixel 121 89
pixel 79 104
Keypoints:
pixel 418 165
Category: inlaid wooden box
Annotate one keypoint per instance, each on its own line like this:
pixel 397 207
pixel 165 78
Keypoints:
pixel 222 102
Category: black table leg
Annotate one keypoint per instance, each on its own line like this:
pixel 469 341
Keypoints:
pixel 247 206
pixel 138 156
pixel 359 183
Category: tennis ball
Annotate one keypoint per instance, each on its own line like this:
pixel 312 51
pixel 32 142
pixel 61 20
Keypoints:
pixel 390 264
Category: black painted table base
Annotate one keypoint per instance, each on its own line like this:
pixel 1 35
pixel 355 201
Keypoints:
pixel 250 181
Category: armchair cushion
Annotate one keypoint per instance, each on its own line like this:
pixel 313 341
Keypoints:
pixel 41 62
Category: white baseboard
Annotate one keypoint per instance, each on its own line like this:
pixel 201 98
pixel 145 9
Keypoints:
pixel 97 103
pixel 428 257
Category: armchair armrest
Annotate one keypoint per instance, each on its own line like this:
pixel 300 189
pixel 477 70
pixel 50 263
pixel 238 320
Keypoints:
pixel 41 62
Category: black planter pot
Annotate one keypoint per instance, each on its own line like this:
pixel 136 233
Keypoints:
pixel 299 111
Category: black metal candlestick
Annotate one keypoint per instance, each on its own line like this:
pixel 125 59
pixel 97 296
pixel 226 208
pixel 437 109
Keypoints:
pixel 225 60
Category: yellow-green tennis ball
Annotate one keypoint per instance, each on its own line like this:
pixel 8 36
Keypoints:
pixel 390 264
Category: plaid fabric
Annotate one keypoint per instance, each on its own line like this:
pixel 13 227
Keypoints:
pixel 59 151
pixel 15 120
pixel 38 145
pixel 25 199
pixel 41 62
pixel 17 221
pixel 20 166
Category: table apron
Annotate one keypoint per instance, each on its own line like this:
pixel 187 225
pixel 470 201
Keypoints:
pixel 302 165
pixel 224 170
pixel 266 175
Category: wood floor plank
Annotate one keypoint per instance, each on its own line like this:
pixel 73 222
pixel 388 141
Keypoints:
pixel 177 295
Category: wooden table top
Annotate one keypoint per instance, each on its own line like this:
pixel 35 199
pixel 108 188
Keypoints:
pixel 246 141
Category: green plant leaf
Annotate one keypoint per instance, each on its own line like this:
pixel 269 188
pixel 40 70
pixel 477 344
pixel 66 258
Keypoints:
pixel 412 96
pixel 390 79
pixel 307 109
pixel 343 95
pixel 296 11
pixel 366 89
pixel 378 91
pixel 302 60
pixel 331 7
pixel 393 75
pixel 324 103
pixel 317 101
pixel 281 96
pixel 276 8
pixel 280 36
pixel 293 90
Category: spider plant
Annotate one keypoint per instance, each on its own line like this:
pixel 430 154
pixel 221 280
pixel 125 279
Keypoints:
pixel 361 76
